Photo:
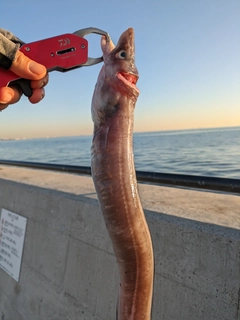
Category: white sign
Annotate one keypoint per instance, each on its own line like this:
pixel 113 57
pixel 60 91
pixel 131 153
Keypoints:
pixel 12 234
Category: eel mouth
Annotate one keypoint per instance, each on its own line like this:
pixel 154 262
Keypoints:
pixel 128 78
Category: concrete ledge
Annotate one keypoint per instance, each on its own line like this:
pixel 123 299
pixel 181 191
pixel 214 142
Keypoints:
pixel 69 270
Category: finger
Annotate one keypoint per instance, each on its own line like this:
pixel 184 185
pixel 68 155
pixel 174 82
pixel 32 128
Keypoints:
pixel 9 95
pixel 27 68
pixel 38 95
pixel 37 84
pixel 3 106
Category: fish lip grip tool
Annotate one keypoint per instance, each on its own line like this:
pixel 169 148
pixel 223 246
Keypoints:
pixel 62 53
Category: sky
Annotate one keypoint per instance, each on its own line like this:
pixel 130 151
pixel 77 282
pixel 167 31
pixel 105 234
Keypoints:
pixel 187 55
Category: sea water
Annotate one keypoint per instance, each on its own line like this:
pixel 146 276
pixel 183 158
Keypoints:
pixel 204 152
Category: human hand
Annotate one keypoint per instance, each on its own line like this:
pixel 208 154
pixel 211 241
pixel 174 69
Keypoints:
pixel 27 69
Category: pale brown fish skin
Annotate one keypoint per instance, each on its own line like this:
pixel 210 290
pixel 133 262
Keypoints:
pixel 114 177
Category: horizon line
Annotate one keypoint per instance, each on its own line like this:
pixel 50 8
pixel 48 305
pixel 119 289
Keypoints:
pixel 134 132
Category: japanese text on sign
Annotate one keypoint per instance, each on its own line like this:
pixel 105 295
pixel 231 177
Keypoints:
pixel 12 234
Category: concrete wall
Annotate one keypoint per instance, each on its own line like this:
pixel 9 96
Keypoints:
pixel 68 267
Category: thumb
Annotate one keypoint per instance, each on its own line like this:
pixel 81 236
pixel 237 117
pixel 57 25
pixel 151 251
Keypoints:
pixel 27 68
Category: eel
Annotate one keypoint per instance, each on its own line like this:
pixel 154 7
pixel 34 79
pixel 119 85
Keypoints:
pixel 114 177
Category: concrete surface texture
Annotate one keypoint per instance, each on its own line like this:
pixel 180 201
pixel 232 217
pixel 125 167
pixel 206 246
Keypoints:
pixel 69 270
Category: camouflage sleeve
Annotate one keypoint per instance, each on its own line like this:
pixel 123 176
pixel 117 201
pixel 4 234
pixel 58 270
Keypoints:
pixel 9 44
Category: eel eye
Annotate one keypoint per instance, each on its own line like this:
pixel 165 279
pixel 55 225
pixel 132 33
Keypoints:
pixel 121 54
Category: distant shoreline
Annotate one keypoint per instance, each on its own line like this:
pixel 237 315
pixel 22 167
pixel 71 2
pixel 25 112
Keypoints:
pixel 137 132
